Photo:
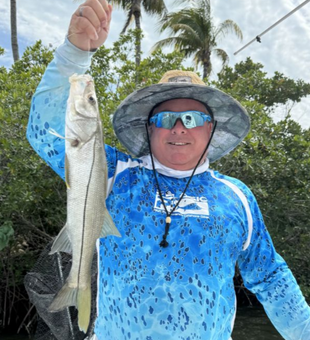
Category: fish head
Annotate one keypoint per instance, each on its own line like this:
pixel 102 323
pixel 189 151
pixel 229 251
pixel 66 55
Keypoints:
pixel 83 118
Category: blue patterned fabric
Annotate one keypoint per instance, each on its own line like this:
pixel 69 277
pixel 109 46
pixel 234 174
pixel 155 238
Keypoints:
pixel 184 291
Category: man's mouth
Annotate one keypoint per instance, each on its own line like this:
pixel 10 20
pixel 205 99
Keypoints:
pixel 178 143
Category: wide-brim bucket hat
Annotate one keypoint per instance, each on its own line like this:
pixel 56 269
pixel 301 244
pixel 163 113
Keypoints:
pixel 233 122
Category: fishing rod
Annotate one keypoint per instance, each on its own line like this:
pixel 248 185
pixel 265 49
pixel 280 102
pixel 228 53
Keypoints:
pixel 257 38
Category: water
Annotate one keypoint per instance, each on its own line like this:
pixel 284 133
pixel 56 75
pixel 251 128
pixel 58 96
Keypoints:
pixel 251 324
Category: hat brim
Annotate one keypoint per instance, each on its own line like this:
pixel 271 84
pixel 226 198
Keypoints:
pixel 233 122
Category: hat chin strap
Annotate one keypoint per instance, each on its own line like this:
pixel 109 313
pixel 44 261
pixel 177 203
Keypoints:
pixel 164 242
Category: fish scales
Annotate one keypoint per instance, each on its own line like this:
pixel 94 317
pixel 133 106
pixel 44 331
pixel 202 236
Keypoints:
pixel 86 180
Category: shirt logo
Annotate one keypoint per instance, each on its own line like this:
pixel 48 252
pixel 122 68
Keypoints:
pixel 190 206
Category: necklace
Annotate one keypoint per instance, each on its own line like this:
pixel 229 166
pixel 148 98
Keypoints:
pixel 164 242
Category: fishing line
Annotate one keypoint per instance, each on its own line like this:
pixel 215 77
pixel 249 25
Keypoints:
pixel 257 38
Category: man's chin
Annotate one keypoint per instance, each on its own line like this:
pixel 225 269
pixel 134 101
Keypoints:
pixel 180 163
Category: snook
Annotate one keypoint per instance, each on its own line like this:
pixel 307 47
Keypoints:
pixel 86 180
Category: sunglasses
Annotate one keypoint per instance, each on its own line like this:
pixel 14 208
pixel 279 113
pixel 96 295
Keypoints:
pixel 190 119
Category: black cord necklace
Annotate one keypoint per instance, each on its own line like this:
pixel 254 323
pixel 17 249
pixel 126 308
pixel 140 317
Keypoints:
pixel 164 242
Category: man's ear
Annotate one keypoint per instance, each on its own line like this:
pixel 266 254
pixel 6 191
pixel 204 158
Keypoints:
pixel 150 128
pixel 211 126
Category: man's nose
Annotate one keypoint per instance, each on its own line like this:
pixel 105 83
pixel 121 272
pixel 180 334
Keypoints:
pixel 178 128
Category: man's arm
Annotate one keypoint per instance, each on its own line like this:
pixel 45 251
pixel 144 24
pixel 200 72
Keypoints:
pixel 266 274
pixel 48 107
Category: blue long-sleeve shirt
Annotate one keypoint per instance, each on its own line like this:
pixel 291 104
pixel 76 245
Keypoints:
pixel 184 291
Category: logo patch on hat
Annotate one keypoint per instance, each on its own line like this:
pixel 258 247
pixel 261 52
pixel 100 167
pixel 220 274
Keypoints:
pixel 180 79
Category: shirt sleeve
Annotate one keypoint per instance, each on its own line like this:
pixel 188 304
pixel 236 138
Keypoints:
pixel 266 274
pixel 48 105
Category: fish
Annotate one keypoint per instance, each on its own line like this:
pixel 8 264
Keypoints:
pixel 86 179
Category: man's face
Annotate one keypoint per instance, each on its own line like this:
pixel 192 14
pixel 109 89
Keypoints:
pixel 179 148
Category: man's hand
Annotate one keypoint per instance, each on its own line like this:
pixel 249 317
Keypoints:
pixel 90 24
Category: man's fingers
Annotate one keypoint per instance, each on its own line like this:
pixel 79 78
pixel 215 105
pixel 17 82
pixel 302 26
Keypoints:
pixel 90 24
pixel 105 24
pixel 98 14
pixel 104 5
pixel 88 13
pixel 101 8
pixel 110 13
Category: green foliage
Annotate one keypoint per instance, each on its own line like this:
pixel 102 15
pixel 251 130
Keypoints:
pixel 21 171
pixel 28 189
pixel 248 81
pixel 6 234
pixel 274 160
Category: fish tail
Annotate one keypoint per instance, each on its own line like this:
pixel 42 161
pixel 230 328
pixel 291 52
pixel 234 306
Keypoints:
pixel 84 307
pixel 81 298
pixel 108 226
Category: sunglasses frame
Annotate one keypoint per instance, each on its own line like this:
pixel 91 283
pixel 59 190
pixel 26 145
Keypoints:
pixel 157 119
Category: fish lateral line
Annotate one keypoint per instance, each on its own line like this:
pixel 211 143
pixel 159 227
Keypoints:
pixel 85 207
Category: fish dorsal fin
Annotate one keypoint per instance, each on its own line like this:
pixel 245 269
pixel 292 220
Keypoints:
pixel 62 242
pixel 108 226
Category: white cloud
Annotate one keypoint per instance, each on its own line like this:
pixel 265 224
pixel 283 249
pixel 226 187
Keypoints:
pixel 284 48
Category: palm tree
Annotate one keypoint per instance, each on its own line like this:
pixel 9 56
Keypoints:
pixel 192 32
pixel 14 41
pixel 133 9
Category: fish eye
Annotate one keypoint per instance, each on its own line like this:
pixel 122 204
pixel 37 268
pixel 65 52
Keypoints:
pixel 92 100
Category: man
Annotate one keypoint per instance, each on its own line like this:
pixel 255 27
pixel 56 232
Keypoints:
pixel 184 226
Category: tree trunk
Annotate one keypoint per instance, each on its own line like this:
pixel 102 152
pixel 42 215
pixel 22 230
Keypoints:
pixel 206 64
pixel 205 70
pixel 14 41
pixel 137 13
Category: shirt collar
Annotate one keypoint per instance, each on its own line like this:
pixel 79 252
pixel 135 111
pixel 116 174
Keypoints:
pixel 164 170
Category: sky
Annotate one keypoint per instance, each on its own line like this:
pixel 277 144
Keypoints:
pixel 285 48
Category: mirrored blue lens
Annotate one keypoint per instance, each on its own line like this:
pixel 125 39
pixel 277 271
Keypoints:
pixel 190 119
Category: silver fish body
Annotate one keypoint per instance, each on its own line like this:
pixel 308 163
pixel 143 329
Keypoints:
pixel 86 179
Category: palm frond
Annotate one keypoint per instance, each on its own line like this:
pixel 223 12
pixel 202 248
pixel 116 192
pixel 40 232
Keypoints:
pixel 189 18
pixel 229 26
pixel 194 3
pixel 125 4
pixel 192 32
pixel 165 43
pixel 130 18
pixel 221 54
pixel 157 7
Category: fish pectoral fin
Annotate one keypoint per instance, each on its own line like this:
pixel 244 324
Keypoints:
pixel 62 242
pixel 84 308
pixel 66 297
pixel 54 133
pixel 108 226
pixel 67 172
